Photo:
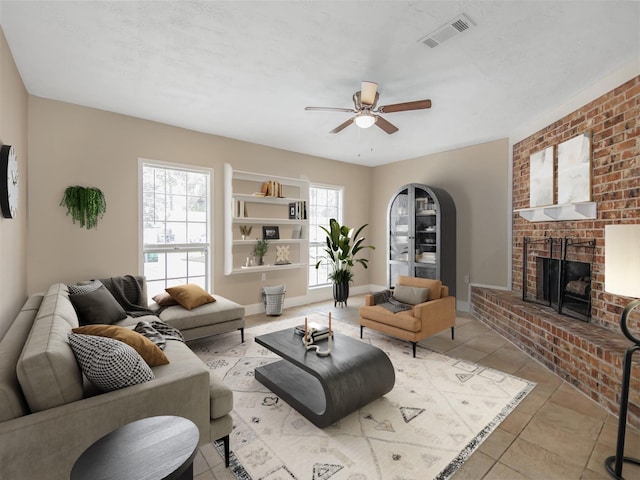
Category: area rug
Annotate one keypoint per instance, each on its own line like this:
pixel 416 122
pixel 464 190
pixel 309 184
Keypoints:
pixel 438 413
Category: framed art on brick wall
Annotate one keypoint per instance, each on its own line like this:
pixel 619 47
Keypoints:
pixel 541 178
pixel 574 170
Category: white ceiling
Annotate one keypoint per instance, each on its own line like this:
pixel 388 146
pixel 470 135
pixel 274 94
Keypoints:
pixel 246 70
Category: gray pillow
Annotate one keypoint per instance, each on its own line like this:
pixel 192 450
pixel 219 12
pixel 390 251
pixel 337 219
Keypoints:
pixel 86 287
pixel 98 306
pixel 274 290
pixel 410 295
pixel 109 364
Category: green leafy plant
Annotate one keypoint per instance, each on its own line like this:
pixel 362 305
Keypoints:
pixel 85 205
pixel 343 244
pixel 260 248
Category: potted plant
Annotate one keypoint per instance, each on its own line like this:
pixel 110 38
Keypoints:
pixel 85 205
pixel 260 250
pixel 343 244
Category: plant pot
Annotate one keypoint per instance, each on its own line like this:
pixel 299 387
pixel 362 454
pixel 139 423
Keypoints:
pixel 260 260
pixel 340 294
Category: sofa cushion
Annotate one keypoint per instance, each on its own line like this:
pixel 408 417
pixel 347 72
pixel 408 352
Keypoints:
pixel 12 401
pixel 84 287
pixel 434 286
pixel 410 295
pixel 165 300
pixel 402 320
pixel 190 296
pixel 220 397
pixel 98 306
pixel 47 370
pixel 56 300
pixel 147 349
pixel 223 310
pixel 109 364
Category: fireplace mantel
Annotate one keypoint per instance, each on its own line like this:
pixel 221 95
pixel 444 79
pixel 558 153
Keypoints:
pixel 566 211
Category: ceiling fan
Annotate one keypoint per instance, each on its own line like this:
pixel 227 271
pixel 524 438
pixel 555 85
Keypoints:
pixel 365 102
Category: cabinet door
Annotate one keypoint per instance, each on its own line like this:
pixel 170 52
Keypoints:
pixel 401 223
pixel 426 234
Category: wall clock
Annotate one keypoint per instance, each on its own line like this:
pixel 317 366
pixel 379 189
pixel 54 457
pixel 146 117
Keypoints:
pixel 8 181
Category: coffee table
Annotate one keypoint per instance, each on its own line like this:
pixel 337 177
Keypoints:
pixel 325 389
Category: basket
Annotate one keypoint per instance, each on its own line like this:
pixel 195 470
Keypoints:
pixel 273 298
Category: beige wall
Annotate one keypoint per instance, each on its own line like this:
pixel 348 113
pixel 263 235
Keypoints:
pixel 477 178
pixel 73 145
pixel 13 232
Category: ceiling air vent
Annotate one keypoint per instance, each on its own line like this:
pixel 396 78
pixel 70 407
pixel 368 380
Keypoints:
pixel 451 29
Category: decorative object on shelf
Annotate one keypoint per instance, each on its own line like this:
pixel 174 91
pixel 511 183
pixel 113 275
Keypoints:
pixel 271 232
pixel 260 250
pixel 272 188
pixel 245 231
pixel 574 170
pixel 340 254
pixel 282 255
pixel 541 178
pixel 9 187
pixel 296 232
pixel 622 277
pixel 240 210
pixel 314 333
pixel 85 205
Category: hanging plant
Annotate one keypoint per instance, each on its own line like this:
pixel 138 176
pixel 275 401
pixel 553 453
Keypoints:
pixel 85 205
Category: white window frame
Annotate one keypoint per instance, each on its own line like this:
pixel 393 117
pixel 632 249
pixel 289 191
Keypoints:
pixel 313 245
pixel 205 247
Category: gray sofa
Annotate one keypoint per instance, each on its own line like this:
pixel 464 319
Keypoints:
pixel 50 413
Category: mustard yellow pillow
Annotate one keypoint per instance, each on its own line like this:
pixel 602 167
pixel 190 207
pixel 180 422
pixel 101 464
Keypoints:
pixel 148 350
pixel 190 296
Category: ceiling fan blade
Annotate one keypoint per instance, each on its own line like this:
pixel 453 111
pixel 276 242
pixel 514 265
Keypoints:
pixel 403 107
pixel 368 92
pixel 342 126
pixel 386 125
pixel 330 109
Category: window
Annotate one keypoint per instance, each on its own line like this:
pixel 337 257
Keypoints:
pixel 175 225
pixel 325 203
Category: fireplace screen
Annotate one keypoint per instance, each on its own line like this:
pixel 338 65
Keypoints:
pixel 557 272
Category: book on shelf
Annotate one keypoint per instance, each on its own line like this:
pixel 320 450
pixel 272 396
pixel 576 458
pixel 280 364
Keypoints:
pixel 240 209
pixel 298 210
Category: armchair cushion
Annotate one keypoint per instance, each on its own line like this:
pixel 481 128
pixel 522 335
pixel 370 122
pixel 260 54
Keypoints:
pixel 410 295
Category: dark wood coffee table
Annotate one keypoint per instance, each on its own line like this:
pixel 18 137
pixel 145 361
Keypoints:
pixel 149 449
pixel 325 389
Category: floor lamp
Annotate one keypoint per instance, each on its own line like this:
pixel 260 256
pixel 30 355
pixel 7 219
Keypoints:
pixel 622 277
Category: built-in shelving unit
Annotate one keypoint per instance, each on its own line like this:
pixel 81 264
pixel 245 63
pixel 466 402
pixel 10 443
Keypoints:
pixel 246 204
pixel 567 211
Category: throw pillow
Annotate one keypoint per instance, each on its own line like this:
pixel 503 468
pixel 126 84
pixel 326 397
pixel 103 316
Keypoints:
pixel 148 350
pixel 274 290
pixel 190 296
pixel 410 295
pixel 165 300
pixel 108 363
pixel 87 287
pixel 98 306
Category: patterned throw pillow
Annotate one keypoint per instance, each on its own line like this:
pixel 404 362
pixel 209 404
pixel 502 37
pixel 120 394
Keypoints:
pixel 148 350
pixel 88 287
pixel 109 364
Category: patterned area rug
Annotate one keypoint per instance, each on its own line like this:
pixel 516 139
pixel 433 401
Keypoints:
pixel 440 410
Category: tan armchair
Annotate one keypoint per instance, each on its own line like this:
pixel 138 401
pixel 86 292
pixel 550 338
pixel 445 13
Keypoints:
pixel 434 315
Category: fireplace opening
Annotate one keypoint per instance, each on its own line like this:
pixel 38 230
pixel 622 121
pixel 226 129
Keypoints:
pixel 561 275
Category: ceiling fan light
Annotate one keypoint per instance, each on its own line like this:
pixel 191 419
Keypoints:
pixel 365 120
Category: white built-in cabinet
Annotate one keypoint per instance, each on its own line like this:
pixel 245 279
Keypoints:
pixel 244 205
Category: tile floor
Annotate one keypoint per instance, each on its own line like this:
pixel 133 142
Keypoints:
pixel 555 433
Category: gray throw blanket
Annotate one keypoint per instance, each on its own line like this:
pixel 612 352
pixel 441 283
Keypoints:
pixel 127 290
pixel 385 300
pixel 158 332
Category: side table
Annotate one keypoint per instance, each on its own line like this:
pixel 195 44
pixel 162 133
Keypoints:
pixel 155 448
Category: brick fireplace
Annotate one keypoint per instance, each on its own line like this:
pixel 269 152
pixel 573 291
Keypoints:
pixel 588 355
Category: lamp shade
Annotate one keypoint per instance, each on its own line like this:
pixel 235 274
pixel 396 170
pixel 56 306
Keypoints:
pixel 622 260
pixel 365 120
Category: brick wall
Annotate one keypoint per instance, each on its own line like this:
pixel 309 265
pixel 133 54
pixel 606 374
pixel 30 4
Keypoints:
pixel 613 121
pixel 587 355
